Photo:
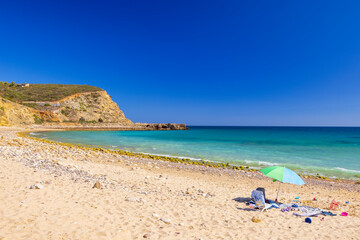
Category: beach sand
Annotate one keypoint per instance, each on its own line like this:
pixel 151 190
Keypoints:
pixel 151 199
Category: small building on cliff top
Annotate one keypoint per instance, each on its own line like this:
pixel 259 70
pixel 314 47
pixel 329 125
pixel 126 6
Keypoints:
pixel 24 85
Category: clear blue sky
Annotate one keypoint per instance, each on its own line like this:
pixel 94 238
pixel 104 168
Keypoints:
pixel 197 62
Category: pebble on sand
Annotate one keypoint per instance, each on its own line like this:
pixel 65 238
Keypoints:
pixel 133 199
pixel 97 185
pixel 256 220
pixel 167 221
pixel 36 186
pixel 146 235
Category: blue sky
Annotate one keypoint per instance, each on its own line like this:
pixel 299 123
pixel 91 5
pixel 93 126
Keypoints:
pixel 195 62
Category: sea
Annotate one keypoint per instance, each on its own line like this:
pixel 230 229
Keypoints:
pixel 328 151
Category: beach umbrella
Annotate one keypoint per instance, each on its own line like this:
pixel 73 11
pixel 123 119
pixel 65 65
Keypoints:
pixel 282 174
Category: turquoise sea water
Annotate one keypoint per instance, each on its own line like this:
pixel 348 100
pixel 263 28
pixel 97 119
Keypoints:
pixel 329 151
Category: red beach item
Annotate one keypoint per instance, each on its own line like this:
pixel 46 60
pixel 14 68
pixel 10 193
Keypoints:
pixel 344 214
pixel 334 205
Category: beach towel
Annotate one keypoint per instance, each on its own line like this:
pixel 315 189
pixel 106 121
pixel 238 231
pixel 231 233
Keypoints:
pixel 274 205
pixel 284 205
pixel 308 214
pixel 308 209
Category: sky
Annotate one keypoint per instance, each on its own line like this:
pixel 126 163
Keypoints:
pixel 239 63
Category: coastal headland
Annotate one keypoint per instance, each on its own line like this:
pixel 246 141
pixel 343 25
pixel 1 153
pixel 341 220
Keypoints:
pixel 67 107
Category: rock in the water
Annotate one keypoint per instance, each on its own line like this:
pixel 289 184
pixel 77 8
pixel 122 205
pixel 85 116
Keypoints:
pixel 167 221
pixel 256 220
pixel 97 185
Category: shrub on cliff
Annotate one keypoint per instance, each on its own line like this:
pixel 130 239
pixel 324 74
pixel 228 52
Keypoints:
pixel 82 120
pixel 42 92
pixel 38 120
pixel 65 112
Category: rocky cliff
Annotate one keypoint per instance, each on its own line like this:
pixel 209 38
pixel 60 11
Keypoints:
pixel 15 114
pixel 81 108
pixel 92 107
pixel 87 110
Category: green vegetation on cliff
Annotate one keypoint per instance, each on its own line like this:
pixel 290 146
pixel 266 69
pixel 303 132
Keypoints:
pixel 41 92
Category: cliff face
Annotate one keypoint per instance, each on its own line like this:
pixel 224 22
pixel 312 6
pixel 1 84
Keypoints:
pixel 15 114
pixel 82 108
pixel 90 107
pixel 86 110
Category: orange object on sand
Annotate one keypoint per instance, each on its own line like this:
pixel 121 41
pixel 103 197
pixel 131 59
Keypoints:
pixel 334 205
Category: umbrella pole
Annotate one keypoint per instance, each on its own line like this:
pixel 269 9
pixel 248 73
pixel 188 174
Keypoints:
pixel 278 192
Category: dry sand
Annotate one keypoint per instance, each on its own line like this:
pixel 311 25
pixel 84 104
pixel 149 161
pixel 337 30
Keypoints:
pixel 150 199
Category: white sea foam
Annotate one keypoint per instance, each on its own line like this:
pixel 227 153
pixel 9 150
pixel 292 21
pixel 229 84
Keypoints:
pixel 268 163
pixel 347 170
pixel 181 157
pixel 35 133
pixel 261 163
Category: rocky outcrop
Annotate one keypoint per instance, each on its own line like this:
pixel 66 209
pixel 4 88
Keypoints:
pixel 88 110
pixel 90 107
pixel 162 126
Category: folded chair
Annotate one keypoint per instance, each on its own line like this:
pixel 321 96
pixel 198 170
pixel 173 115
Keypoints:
pixel 259 200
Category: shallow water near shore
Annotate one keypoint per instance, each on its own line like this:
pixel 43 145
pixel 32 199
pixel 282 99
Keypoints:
pixel 330 151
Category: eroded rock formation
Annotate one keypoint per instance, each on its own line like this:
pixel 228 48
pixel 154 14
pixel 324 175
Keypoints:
pixel 89 110
pixel 92 107
pixel 162 126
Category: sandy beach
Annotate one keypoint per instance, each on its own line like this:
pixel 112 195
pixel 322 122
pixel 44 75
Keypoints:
pixel 151 199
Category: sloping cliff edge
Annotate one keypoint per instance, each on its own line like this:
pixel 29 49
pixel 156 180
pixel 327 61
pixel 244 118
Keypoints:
pixel 89 110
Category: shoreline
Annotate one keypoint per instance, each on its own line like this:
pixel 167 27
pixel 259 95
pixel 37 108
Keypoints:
pixel 142 196
pixel 180 160
pixel 111 127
